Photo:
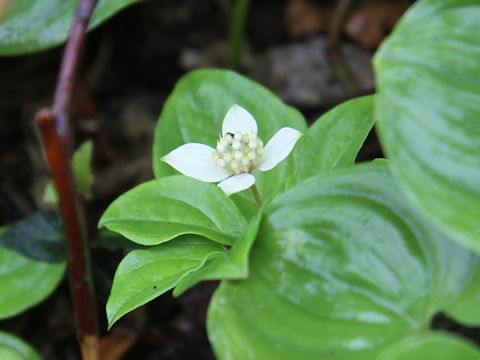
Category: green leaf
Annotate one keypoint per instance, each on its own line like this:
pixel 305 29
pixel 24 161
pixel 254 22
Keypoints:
pixel 464 307
pixel 82 172
pixel 334 140
pixel 144 275
pixel 228 265
pixel 195 110
pixel 113 241
pixel 181 263
pixel 428 80
pixel 32 261
pixel 160 210
pixel 342 268
pixel 30 26
pixel 13 348
pixel 431 346
pixel 246 205
pixel 50 193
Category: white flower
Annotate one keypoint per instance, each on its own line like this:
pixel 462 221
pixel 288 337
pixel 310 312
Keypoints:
pixel 239 152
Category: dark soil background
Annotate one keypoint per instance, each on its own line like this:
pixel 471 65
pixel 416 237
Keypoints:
pixel 130 65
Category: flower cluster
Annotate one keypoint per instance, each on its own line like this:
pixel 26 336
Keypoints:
pixel 239 151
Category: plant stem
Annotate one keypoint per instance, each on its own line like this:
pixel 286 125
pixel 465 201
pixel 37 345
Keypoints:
pixel 68 70
pixel 256 195
pixel 334 51
pixel 76 235
pixel 237 32
pixel 54 127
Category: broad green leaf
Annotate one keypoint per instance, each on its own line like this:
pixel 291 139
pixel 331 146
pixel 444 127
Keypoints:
pixel 428 113
pixel 144 275
pixel 32 261
pixel 431 346
pixel 29 26
pixel 160 210
pixel 227 265
pixel 82 172
pixel 342 267
pixel 113 241
pixel 195 110
pixel 334 140
pixel 13 348
pixel 465 307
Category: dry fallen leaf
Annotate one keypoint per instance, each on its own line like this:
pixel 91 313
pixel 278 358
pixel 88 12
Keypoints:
pixel 303 17
pixel 113 346
pixel 369 23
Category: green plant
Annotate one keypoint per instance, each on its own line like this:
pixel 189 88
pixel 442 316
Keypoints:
pixel 322 258
pixel 335 263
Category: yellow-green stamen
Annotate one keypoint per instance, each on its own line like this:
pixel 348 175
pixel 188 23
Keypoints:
pixel 238 153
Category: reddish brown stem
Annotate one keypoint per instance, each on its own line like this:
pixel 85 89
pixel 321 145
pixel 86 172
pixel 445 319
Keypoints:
pixel 75 229
pixel 71 58
pixel 54 126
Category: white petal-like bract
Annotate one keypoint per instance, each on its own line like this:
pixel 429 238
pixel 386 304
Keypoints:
pixel 237 183
pixel 195 160
pixel 278 147
pixel 238 121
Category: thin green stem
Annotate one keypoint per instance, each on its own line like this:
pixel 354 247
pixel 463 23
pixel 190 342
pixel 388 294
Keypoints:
pixel 256 195
pixel 237 32
pixel 335 54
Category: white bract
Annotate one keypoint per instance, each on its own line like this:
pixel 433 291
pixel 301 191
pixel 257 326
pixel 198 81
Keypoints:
pixel 239 151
